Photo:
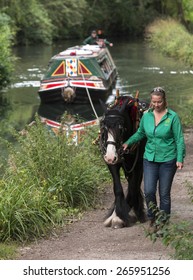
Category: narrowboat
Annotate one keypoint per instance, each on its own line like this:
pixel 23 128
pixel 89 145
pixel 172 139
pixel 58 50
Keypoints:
pixel 78 74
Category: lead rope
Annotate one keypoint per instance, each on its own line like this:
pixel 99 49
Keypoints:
pixel 89 97
pixel 134 164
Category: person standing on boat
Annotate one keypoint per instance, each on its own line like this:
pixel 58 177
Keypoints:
pixel 164 154
pixel 93 39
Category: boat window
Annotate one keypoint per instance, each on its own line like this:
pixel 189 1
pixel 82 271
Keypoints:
pixel 105 66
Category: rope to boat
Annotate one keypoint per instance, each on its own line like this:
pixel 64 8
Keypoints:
pixel 89 97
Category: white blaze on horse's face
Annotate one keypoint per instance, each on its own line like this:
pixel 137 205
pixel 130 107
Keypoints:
pixel 111 155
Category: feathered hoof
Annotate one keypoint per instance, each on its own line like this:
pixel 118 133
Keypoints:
pixel 108 221
pixel 117 223
pixel 114 221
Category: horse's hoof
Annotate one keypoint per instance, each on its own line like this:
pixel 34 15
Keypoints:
pixel 117 226
pixel 108 221
pixel 117 223
pixel 114 221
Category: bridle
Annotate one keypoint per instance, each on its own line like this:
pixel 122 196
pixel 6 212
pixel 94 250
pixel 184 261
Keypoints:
pixel 120 151
pixel 116 128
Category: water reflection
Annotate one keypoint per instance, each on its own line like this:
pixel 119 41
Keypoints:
pixel 56 111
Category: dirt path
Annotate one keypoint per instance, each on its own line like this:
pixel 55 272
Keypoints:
pixel 89 239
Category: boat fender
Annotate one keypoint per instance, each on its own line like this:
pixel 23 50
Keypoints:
pixel 68 94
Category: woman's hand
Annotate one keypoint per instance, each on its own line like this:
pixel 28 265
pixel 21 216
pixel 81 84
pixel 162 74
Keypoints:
pixel 125 146
pixel 179 165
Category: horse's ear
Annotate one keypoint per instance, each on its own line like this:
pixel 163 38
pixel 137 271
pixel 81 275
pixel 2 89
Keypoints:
pixel 103 105
pixel 124 105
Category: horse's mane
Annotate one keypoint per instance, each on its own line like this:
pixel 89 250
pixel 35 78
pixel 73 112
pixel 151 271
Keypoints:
pixel 125 112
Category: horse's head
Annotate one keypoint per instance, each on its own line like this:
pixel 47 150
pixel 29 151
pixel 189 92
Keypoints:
pixel 115 128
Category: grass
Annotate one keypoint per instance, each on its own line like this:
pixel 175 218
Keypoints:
pixel 47 179
pixel 8 251
pixel 171 38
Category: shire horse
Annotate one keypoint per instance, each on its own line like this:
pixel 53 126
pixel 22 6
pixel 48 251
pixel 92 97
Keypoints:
pixel 118 123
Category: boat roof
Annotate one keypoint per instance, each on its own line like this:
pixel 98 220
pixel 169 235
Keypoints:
pixel 81 52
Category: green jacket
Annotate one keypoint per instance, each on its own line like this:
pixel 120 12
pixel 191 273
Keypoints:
pixel 93 41
pixel 164 141
pixel 90 40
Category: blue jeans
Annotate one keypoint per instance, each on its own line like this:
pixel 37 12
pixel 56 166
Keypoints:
pixel 162 172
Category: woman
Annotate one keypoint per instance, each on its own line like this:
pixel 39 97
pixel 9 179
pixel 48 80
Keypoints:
pixel 164 153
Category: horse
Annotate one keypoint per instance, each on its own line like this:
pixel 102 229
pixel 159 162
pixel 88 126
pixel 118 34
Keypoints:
pixel 117 124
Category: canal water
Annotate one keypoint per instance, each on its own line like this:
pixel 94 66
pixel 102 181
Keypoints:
pixel 139 67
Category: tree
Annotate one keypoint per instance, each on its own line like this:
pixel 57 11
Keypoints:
pixel 31 19
pixel 66 16
pixel 6 57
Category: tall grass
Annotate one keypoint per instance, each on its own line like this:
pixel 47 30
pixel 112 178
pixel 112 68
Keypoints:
pixel 46 178
pixel 171 38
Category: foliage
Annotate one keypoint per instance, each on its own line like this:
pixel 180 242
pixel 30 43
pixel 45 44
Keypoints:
pixel 42 21
pixel 6 57
pixel 48 178
pixel 169 36
pixel 31 20
pixel 120 18
pixel 179 236
pixel 180 10
pixel 67 17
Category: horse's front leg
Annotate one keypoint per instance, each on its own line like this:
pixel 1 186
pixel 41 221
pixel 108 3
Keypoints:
pixel 119 214
pixel 134 195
